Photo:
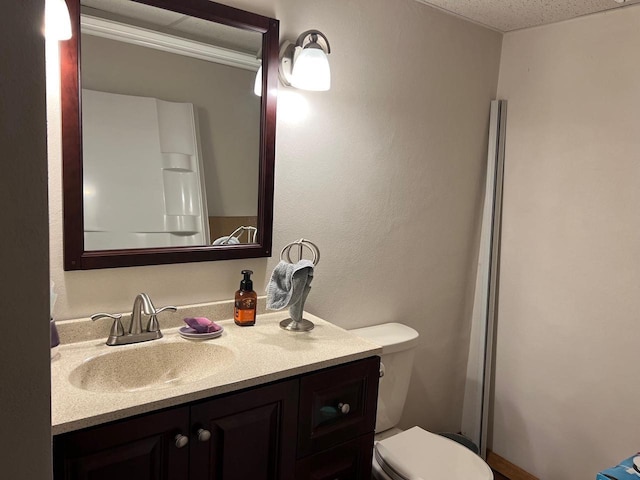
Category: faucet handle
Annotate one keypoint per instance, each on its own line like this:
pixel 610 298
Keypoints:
pixel 170 308
pixel 153 325
pixel 117 330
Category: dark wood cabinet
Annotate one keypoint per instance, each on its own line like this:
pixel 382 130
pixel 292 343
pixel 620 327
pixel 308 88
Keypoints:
pixel 316 426
pixel 336 405
pixel 142 448
pixel 250 432
pixel 349 461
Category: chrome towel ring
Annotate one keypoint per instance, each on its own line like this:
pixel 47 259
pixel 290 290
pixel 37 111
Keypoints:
pixel 296 323
pixel 285 254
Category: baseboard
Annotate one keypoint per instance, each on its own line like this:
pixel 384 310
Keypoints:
pixel 506 468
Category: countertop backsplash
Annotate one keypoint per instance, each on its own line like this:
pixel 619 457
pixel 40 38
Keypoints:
pixel 84 329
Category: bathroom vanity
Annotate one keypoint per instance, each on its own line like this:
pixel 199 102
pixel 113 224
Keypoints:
pixel 278 405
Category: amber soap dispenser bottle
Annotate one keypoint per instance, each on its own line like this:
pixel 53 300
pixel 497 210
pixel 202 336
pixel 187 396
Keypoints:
pixel 244 311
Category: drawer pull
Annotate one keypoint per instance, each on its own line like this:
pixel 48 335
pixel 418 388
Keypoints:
pixel 181 440
pixel 344 408
pixel 203 435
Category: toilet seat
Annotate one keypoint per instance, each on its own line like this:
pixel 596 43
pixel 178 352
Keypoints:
pixel 420 455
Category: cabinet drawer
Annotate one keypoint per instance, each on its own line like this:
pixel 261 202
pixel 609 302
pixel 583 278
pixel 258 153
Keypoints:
pixel 349 461
pixel 337 404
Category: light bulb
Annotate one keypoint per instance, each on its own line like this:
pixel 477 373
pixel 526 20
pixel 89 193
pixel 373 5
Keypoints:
pixel 311 70
pixel 57 21
pixel 257 85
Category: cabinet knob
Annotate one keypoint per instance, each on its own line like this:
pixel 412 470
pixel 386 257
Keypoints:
pixel 181 440
pixel 203 435
pixel 344 408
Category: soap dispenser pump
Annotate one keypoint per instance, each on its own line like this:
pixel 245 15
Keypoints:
pixel 244 311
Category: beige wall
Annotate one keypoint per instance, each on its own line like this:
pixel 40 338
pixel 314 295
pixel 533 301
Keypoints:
pixel 227 109
pixel 384 173
pixel 390 189
pixel 567 348
pixel 25 443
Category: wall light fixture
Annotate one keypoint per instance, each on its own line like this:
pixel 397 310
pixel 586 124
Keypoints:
pixel 305 65
pixel 257 84
pixel 57 22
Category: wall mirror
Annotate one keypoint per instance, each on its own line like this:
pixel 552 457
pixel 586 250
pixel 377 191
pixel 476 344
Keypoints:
pixel 168 126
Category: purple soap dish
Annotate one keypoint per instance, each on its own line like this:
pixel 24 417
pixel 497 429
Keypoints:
pixel 191 334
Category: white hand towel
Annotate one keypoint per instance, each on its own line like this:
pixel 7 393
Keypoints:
pixel 289 283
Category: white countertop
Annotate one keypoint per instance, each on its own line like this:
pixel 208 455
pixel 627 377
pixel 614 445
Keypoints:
pixel 261 354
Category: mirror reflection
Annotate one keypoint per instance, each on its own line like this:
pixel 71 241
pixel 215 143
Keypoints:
pixel 171 128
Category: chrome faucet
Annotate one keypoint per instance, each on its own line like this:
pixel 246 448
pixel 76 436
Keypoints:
pixel 141 304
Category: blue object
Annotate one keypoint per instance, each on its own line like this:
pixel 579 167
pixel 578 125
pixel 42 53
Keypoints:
pixel 625 470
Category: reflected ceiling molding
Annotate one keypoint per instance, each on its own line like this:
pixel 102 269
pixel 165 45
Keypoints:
pixel 100 27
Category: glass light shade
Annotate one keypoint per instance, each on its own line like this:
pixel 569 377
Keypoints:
pixel 311 70
pixel 257 85
pixel 57 21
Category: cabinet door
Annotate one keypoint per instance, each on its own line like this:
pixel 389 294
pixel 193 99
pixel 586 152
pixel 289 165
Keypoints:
pixel 253 435
pixel 142 448
pixel 349 461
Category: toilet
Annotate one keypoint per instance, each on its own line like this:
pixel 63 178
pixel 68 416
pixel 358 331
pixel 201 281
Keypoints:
pixel 414 454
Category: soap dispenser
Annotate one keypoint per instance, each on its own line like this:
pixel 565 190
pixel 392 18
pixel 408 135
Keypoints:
pixel 244 312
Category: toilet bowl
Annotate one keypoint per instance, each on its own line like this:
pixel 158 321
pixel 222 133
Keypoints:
pixel 414 454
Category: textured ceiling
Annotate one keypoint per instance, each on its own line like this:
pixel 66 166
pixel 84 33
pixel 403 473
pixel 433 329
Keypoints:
pixel 507 15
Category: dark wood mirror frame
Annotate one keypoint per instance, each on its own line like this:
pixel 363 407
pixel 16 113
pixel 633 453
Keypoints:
pixel 75 257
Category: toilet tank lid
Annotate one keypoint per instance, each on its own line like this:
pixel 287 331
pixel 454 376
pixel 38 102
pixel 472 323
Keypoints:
pixel 392 337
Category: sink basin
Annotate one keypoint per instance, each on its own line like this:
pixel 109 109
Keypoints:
pixel 150 367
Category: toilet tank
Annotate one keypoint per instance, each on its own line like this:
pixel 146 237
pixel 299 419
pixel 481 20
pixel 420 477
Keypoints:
pixel 398 344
